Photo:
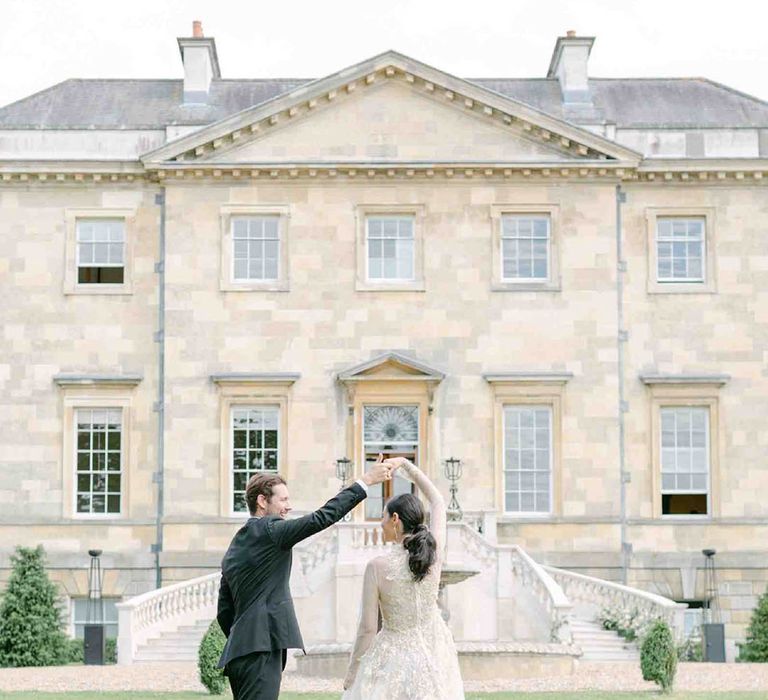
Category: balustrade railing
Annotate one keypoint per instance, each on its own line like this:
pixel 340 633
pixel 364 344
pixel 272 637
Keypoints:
pixel 164 609
pixel 536 579
pixel 638 606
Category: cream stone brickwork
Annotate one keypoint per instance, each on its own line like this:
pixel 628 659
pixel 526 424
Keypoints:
pixel 388 136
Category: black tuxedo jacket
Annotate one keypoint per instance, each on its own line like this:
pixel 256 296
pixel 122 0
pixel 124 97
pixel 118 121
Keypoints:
pixel 255 609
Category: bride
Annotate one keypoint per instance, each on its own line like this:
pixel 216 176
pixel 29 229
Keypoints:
pixel 413 657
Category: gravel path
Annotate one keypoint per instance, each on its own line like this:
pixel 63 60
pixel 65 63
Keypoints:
pixel 183 676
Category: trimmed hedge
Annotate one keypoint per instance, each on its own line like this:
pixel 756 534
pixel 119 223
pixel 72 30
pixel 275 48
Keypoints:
pixel 658 656
pixel 211 648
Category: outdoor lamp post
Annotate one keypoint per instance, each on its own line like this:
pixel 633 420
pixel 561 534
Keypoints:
pixel 343 472
pixel 343 469
pixel 713 631
pixel 453 474
pixel 94 641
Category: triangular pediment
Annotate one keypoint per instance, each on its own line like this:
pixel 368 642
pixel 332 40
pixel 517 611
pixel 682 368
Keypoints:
pixel 390 109
pixel 391 122
pixel 391 366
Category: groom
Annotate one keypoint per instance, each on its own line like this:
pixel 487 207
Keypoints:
pixel 255 609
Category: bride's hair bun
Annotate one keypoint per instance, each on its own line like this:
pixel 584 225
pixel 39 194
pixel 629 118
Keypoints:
pixel 418 540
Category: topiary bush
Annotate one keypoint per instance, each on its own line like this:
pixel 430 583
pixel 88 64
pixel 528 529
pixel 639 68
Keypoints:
pixel 658 656
pixel 755 649
pixel 31 632
pixel 211 647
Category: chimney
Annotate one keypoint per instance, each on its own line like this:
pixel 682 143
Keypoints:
pixel 201 65
pixel 569 66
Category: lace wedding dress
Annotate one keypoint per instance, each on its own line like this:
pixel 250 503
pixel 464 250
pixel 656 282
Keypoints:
pixel 413 656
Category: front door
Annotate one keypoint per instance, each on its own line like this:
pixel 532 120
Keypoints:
pixel 394 432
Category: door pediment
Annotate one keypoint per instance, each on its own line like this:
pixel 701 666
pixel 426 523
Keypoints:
pixel 391 366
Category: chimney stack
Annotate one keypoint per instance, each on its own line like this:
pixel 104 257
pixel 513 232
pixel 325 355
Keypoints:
pixel 569 66
pixel 201 65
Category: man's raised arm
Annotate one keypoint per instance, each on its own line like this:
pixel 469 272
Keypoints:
pixel 287 533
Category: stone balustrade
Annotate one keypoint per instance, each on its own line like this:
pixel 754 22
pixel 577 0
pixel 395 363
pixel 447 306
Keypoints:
pixel 549 593
pixel 162 610
pixel 644 607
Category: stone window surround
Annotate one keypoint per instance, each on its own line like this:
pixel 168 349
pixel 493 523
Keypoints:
pixel 526 389
pixel 553 282
pixel 96 391
pixel 685 390
pixel 709 285
pixel 250 389
pixel 362 212
pixel 227 282
pixel 71 216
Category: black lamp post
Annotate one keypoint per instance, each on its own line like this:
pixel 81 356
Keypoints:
pixel 713 631
pixel 94 641
pixel 453 474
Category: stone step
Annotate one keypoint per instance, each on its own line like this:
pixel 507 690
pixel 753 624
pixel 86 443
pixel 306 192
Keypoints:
pixel 144 657
pixel 162 647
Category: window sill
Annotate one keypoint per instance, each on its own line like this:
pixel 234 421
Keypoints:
pixel 94 517
pixel 271 286
pixel 99 290
pixel 525 518
pixel 417 286
pixel 681 288
pixel 526 287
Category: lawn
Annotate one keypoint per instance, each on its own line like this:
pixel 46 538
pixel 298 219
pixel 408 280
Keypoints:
pixel 581 695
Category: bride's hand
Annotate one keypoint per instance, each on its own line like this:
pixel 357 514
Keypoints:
pixel 396 462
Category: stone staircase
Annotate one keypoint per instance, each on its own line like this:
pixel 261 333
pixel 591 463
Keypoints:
pixel 181 644
pixel 560 606
pixel 599 644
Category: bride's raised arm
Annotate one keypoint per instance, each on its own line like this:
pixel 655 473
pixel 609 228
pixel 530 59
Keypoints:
pixel 436 501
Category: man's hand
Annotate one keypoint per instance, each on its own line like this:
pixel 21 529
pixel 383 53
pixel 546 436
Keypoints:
pixel 381 471
pixel 396 462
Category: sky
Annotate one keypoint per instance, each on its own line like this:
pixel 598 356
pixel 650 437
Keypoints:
pixel 43 42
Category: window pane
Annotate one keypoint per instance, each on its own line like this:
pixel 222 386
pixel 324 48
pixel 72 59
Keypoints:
pixel 270 269
pixel 241 269
pixel 100 253
pixel 239 227
pixel 85 253
pixel 270 227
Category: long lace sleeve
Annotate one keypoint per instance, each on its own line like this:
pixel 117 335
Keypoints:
pixel 436 502
pixel 368 624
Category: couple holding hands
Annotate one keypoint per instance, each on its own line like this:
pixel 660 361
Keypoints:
pixel 412 656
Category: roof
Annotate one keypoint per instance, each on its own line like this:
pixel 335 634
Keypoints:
pixel 155 104
pixel 647 102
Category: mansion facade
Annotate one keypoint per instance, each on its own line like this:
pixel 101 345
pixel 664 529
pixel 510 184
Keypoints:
pixel 560 281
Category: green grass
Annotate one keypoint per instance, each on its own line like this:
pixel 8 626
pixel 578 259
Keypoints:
pixel 576 695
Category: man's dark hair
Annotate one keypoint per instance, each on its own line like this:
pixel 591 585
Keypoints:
pixel 260 485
